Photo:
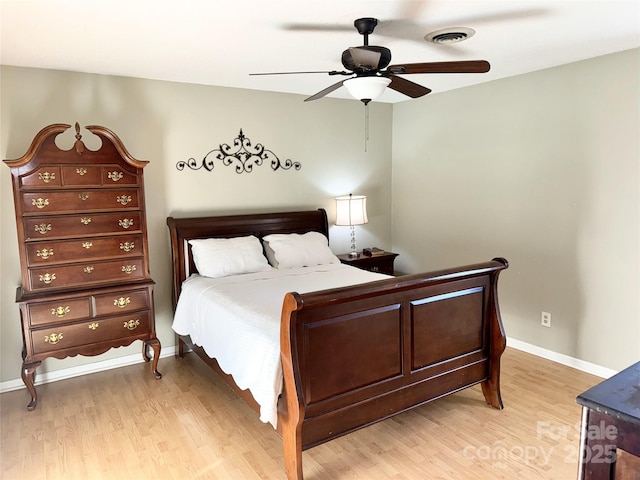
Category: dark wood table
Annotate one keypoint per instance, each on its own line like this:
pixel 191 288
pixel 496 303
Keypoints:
pixel 610 434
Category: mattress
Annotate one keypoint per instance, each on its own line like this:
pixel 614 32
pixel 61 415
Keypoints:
pixel 236 320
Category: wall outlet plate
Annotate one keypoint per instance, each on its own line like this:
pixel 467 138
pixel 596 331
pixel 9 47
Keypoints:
pixel 545 319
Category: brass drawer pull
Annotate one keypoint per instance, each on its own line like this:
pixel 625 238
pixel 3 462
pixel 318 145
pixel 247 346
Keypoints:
pixel 46 177
pixel 40 202
pixel 87 245
pixel 81 171
pixel 83 196
pixel 127 246
pixel 121 302
pixel 115 176
pixel 123 199
pixel 88 269
pixel 126 222
pixel 43 228
pixel 53 338
pixel 47 278
pixel 44 253
pixel 60 311
pixel 85 220
pixel 132 324
pixel 128 269
pixel 93 326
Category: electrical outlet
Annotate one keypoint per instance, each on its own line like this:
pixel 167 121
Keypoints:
pixel 545 319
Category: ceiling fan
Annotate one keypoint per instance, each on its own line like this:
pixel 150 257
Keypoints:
pixel 370 73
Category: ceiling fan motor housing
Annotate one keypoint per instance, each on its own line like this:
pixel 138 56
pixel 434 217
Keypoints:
pixel 351 60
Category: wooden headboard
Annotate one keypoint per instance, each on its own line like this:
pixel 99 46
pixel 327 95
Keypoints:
pixel 184 229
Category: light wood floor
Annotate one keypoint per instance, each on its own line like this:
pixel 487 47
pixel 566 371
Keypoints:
pixel 124 424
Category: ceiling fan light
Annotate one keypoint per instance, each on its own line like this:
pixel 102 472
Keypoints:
pixel 366 89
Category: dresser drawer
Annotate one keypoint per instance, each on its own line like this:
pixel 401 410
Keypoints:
pixel 62 310
pixel 61 201
pixel 114 175
pixel 93 331
pixel 89 249
pixel 122 302
pixel 86 273
pixel 71 226
pixel 44 176
pixel 82 175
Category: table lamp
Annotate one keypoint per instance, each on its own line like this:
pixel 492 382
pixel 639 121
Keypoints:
pixel 351 210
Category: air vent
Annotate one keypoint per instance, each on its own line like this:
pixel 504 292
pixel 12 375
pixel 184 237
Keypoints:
pixel 450 35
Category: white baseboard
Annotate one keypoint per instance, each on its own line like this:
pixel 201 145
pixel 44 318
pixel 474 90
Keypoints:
pixel 71 372
pixel 576 363
pixel 47 377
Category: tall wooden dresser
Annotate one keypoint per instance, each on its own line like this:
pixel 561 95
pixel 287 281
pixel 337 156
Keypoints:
pixel 83 250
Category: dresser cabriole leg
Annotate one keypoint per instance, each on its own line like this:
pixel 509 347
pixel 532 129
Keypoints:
pixel 28 377
pixel 145 351
pixel 155 344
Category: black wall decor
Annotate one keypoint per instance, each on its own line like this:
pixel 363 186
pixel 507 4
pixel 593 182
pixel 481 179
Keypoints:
pixel 243 155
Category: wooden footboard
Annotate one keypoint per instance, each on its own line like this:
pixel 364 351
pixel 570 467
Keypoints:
pixel 358 355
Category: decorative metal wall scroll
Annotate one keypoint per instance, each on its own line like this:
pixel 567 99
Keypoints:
pixel 243 155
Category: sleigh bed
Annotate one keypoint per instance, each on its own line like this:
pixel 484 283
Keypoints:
pixel 355 355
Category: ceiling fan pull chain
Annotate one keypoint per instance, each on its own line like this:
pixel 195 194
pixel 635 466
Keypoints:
pixel 366 126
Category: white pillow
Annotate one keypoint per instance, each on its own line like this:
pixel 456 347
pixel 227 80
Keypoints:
pixel 220 257
pixel 294 250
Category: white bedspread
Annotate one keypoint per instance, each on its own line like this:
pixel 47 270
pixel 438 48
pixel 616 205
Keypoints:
pixel 237 321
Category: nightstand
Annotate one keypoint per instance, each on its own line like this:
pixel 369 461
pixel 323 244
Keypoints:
pixel 380 263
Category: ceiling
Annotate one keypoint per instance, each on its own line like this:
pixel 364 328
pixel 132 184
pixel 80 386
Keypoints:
pixel 219 42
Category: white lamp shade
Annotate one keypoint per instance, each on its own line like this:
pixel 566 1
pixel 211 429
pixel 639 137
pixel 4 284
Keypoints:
pixel 366 88
pixel 351 210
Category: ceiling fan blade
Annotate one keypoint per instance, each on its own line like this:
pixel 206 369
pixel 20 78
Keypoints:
pixel 465 66
pixel 324 92
pixel 363 57
pixel 407 87
pixel 316 27
pixel 330 72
